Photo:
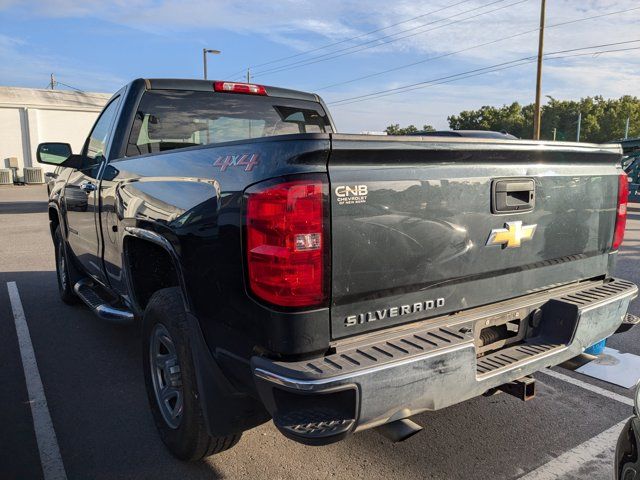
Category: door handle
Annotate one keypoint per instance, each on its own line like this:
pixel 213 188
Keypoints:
pixel 88 187
pixel 513 195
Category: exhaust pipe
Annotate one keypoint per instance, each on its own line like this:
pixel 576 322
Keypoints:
pixel 524 388
pixel 399 430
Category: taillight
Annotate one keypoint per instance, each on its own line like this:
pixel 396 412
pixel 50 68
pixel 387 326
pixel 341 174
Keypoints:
pixel 621 212
pixel 237 87
pixel 286 241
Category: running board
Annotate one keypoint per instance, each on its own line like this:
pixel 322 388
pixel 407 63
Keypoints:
pixel 87 293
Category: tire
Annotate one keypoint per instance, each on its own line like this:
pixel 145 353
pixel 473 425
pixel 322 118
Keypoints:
pixel 65 282
pixel 179 418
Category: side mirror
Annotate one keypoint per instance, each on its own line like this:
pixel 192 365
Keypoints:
pixel 58 154
pixel 53 153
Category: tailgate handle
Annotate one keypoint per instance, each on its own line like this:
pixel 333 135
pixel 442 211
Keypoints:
pixel 513 195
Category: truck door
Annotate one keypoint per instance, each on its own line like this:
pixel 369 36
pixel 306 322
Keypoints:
pixel 81 194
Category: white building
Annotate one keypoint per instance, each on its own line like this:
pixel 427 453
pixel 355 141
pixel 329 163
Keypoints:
pixel 30 116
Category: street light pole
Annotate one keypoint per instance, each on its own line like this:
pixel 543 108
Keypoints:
pixel 537 112
pixel 579 125
pixel 204 58
pixel 626 129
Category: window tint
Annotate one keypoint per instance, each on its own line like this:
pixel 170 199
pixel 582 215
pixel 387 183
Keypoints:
pixel 98 137
pixel 171 119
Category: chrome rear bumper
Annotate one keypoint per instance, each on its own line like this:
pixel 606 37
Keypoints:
pixel 428 366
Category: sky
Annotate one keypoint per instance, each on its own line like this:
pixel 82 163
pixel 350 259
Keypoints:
pixel 342 50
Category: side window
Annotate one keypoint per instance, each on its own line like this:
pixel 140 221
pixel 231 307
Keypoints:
pixel 98 138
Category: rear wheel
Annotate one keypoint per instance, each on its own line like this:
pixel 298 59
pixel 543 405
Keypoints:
pixel 171 381
pixel 65 287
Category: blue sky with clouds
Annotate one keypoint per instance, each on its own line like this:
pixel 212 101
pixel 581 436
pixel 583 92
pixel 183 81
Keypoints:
pixel 100 45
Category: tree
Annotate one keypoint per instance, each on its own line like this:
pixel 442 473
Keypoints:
pixel 508 118
pixel 395 129
pixel 602 119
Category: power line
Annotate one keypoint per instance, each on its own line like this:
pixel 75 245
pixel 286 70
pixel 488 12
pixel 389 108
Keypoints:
pixel 481 71
pixel 322 47
pixel 520 62
pixel 531 60
pixel 596 54
pixel 429 59
pixel 58 82
pixel 419 84
pixel 53 82
pixel 414 86
pixel 377 42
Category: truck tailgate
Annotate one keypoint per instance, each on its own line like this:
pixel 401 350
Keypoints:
pixel 415 232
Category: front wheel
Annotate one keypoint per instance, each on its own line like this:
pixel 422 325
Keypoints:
pixel 171 381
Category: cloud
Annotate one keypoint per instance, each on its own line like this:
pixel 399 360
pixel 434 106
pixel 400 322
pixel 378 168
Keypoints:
pixel 34 69
pixel 609 76
pixel 306 24
pixel 300 25
pixel 468 23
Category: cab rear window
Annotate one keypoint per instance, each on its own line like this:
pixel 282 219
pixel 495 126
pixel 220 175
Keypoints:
pixel 169 119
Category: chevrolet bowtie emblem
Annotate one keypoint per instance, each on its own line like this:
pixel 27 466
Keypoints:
pixel 512 235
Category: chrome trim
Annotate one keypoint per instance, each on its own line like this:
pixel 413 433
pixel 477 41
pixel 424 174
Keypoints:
pixel 161 241
pixel 300 384
pixel 618 296
pixel 104 311
pixel 115 315
pixel 436 379
pixel 523 363
pixel 152 237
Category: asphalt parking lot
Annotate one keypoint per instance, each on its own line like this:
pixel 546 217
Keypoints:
pixel 92 378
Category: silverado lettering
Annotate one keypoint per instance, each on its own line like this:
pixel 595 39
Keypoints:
pixel 361 318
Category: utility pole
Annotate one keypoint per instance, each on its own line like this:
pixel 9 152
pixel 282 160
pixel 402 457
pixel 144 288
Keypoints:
pixel 52 84
pixel 579 125
pixel 626 129
pixel 248 76
pixel 204 58
pixel 537 112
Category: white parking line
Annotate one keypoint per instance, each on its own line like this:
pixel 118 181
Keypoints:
pixel 587 386
pixel 50 459
pixel 591 459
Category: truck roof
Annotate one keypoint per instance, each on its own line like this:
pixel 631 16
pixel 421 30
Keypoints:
pixel 207 85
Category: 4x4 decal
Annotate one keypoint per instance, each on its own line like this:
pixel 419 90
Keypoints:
pixel 246 160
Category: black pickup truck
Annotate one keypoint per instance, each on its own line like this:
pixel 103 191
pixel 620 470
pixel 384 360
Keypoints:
pixel 333 283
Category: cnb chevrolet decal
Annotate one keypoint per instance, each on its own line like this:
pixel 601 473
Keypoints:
pixel 512 235
pixel 351 194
